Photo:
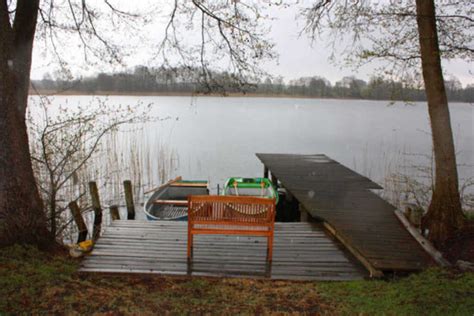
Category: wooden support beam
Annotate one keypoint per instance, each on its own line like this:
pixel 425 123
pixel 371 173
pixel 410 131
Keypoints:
pixel 425 243
pixel 94 192
pixel 114 212
pixel 127 185
pixel 374 273
pixel 81 225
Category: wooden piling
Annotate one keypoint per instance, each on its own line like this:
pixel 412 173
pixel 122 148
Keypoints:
pixel 127 185
pixel 265 172
pixel 114 212
pixel 274 180
pixel 94 192
pixel 81 225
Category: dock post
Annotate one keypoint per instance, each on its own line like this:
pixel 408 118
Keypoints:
pixel 127 185
pixel 97 209
pixel 274 180
pixel 114 212
pixel 265 171
pixel 81 225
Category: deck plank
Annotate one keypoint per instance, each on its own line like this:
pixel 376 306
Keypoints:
pixel 302 251
pixel 341 197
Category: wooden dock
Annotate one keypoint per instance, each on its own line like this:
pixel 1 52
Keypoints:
pixel 342 200
pixel 302 251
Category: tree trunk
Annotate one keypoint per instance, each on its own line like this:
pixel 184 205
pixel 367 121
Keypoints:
pixel 52 213
pixel 444 214
pixel 22 217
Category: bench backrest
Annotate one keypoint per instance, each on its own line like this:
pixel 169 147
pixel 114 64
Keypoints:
pixel 231 210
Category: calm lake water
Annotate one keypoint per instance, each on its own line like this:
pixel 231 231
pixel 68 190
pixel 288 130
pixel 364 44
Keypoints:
pixel 215 138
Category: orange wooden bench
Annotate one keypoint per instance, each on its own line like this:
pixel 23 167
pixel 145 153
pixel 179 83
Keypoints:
pixel 231 215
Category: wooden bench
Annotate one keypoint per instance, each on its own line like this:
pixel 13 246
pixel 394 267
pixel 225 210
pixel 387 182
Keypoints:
pixel 231 215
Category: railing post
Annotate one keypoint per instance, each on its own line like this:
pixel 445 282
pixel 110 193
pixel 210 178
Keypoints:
pixel 127 185
pixel 94 192
pixel 81 225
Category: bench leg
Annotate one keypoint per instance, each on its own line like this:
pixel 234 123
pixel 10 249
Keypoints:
pixel 190 244
pixel 270 248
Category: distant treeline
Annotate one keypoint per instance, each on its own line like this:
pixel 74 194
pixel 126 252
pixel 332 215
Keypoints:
pixel 150 80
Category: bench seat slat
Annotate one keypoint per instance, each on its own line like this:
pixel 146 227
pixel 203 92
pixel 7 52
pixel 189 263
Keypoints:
pixel 231 223
pixel 231 232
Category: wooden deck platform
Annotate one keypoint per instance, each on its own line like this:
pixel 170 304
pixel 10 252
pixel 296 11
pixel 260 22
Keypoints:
pixel 302 251
pixel 342 199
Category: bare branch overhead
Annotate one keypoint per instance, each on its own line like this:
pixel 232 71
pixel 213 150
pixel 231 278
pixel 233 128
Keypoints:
pixel 388 31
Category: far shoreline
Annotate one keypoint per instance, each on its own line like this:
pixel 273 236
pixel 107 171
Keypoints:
pixel 190 94
pixel 181 94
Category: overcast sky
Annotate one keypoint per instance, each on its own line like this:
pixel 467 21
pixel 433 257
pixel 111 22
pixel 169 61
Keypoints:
pixel 297 57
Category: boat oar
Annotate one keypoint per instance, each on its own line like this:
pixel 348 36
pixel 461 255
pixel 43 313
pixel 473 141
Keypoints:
pixel 171 202
pixel 164 185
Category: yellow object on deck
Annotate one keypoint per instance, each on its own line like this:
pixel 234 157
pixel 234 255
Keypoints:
pixel 80 249
pixel 86 245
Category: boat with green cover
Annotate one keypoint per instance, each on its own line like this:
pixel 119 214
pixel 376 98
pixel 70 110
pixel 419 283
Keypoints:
pixel 258 187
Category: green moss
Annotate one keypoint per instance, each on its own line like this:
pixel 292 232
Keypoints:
pixel 33 282
pixel 433 292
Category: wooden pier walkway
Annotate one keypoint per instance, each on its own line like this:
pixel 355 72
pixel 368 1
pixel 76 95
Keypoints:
pixel 341 198
pixel 302 251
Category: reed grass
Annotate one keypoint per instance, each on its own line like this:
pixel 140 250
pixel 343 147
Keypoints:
pixel 125 152
pixel 409 178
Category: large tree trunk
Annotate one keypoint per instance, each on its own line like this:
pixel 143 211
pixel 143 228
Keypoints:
pixel 444 214
pixel 22 217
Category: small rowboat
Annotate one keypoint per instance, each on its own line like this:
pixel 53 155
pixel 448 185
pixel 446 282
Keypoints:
pixel 170 201
pixel 259 187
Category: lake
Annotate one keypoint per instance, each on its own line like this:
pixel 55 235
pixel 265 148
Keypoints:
pixel 214 138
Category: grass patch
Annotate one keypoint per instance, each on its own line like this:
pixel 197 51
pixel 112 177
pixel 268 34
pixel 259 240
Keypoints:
pixel 433 292
pixel 470 216
pixel 36 283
